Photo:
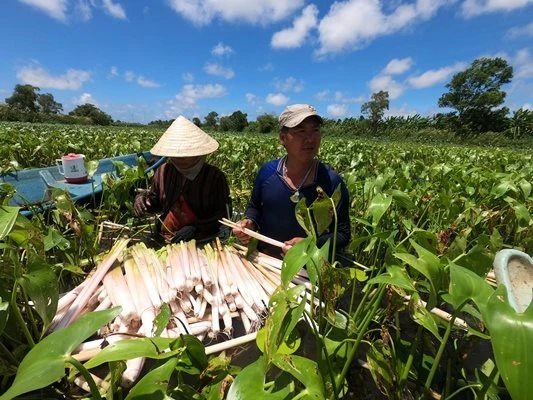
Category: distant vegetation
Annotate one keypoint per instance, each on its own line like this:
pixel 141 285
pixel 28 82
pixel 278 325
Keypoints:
pixel 475 95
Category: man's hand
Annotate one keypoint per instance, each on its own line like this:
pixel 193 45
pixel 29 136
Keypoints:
pixel 289 243
pixel 140 205
pixel 238 232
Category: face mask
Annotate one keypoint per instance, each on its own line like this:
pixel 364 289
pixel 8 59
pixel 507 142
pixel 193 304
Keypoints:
pixel 191 172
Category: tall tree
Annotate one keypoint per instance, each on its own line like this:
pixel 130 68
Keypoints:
pixel 97 116
pixel 211 121
pixel 375 108
pixel 235 122
pixel 196 121
pixel 477 96
pixel 24 98
pixel 48 105
pixel 267 123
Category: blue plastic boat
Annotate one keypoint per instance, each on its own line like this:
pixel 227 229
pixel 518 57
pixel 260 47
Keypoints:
pixel 33 186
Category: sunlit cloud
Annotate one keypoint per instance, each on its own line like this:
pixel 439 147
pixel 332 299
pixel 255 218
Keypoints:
pixel 218 70
pixel 36 75
pixel 277 99
pixel 295 35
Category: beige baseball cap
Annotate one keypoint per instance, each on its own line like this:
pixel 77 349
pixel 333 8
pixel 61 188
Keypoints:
pixel 294 114
pixel 184 139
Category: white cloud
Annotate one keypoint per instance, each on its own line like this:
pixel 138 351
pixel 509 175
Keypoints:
pixel 113 71
pixel 323 95
pixel 523 64
pixel 266 67
pixel 251 99
pixel 129 76
pixel 397 66
pixel 85 98
pixel 337 110
pixel 290 84
pixel 434 76
pixel 473 8
pixel 54 8
pixel 190 94
pixel 295 35
pixel 403 111
pixel 202 12
pixel 527 106
pixel 343 98
pixel 187 76
pixel 222 50
pixel 352 24
pixel 114 9
pixel 83 10
pixel 386 83
pixel 277 99
pixel 35 75
pixel 147 83
pixel 218 70
pixel 519 31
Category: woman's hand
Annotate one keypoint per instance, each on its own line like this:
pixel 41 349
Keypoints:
pixel 238 232
pixel 140 205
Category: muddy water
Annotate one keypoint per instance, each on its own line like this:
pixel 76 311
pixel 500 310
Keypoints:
pixel 521 277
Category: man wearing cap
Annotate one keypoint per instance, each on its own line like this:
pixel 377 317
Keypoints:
pixel 191 195
pixel 281 183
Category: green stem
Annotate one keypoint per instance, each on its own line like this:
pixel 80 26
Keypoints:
pixel 87 375
pixel 376 303
pixel 410 358
pixel 18 316
pixel 486 385
pixel 443 343
pixel 8 354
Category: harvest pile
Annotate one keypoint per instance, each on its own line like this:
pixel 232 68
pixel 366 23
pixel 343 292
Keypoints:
pixel 205 289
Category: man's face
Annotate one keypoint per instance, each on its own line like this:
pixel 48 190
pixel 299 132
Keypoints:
pixel 303 141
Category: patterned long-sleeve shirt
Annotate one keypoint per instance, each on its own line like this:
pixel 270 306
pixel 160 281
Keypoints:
pixel 207 195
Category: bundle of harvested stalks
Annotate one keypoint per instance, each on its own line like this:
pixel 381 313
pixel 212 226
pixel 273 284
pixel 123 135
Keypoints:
pixel 207 289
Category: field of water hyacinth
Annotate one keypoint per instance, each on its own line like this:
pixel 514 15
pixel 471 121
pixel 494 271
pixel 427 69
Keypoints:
pixel 427 221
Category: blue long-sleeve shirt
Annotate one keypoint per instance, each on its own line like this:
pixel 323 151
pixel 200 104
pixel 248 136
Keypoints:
pixel 273 211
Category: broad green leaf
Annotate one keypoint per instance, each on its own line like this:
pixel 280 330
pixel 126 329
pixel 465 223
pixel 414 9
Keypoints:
pixel 522 214
pixel 322 209
pixel 511 337
pixel 378 206
pixel 396 276
pixel 45 363
pixel 502 188
pixel 288 346
pixel 8 216
pixel 187 349
pixel 42 287
pixel 402 199
pixel 250 384
pixel 295 259
pixel 303 217
pixel 162 319
pixel 422 316
pixel 154 384
pixel 54 239
pixel 466 285
pixel 526 188
pixel 305 370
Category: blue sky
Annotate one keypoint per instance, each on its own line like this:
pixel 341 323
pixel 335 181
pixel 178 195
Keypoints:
pixel 144 60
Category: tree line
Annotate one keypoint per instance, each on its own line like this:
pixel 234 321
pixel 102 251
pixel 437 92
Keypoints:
pixel 475 95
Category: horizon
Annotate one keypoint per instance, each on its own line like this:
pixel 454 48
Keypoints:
pixel 151 61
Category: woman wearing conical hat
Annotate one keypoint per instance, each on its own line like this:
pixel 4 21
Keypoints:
pixel 190 194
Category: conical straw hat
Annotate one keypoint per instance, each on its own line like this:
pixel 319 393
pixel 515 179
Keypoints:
pixel 184 139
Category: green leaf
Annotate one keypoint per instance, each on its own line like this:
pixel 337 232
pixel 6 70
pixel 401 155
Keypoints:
pixel 54 239
pixel 303 369
pixel 322 209
pixel 303 217
pixel 45 363
pixel 522 214
pixel 91 167
pixel 466 285
pixel 295 259
pixel 154 384
pixel 42 287
pixel 396 276
pixel 8 216
pixel 511 337
pixel 250 384
pixel 422 316
pixel 162 319
pixel 378 206
pixel 402 199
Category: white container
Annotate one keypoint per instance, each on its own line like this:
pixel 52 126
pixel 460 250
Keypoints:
pixel 72 167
